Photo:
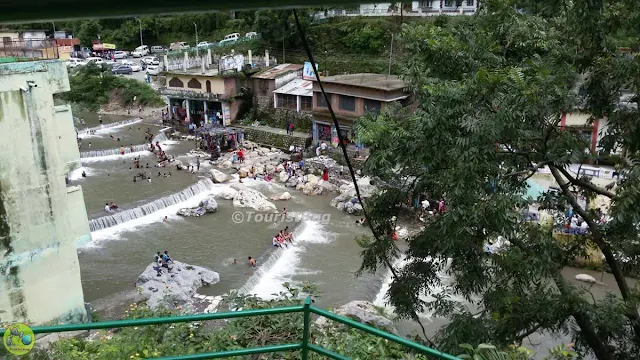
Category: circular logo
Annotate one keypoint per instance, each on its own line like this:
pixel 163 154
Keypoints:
pixel 18 339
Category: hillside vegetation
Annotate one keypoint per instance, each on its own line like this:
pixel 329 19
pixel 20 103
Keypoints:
pixel 93 86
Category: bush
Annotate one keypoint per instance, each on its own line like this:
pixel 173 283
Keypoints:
pixel 93 86
pixel 278 118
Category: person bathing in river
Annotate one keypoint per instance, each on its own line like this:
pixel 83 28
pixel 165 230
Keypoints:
pixel 166 219
pixel 84 174
pixel 252 262
pixel 113 206
pixel 121 150
pixel 107 208
pixel 284 211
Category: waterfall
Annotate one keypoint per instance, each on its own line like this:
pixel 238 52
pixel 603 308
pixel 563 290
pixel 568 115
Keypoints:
pixel 116 151
pixel 161 137
pixel 114 125
pixel 149 208
pixel 264 268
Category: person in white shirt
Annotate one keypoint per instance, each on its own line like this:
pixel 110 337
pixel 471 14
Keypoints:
pixel 318 151
pixel 324 146
pixel 107 208
pixel 425 204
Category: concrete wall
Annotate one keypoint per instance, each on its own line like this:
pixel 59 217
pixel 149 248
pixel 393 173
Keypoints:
pixel 217 83
pixel 41 218
pixel 276 140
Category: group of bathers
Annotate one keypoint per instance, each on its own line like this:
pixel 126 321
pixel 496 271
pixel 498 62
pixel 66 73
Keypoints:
pixel 283 238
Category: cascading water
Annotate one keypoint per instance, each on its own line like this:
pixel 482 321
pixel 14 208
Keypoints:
pixel 113 125
pixel 268 264
pixel 140 211
pixel 161 137
pixel 116 151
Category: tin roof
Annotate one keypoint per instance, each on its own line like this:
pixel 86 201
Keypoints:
pixel 296 87
pixel 277 70
pixel 372 81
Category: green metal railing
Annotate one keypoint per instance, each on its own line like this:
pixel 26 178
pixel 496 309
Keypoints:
pixel 305 346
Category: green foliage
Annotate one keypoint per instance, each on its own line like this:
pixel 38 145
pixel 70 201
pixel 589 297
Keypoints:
pixel 277 118
pixel 93 86
pixel 490 93
pixel 185 338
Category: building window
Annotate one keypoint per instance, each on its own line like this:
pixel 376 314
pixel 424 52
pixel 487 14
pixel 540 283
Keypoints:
pixel 372 105
pixel 320 100
pixel 287 101
pixel 426 4
pixel 306 103
pixel 448 2
pixel 175 82
pixel 194 84
pixel 469 2
pixel 347 103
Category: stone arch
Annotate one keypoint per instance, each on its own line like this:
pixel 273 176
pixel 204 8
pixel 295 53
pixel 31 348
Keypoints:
pixel 175 82
pixel 194 84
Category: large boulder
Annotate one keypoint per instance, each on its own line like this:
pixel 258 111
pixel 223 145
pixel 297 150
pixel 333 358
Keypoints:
pixel 364 312
pixel 327 185
pixel 175 287
pixel 209 204
pixel 283 176
pixel 218 176
pixel 243 173
pixel 586 278
pixel 284 196
pixel 250 198
pixel 226 164
pixel 291 182
pixel 226 193
pixel 206 206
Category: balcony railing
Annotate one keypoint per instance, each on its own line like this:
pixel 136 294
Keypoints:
pixel 28 50
pixel 305 346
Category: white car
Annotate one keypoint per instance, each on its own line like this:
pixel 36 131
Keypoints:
pixel 151 60
pixel 204 44
pixel 180 45
pixel 74 62
pixel 154 69
pixel 140 51
pixel 250 35
pixel 230 38
pixel 120 55
pixel 134 66
pixel 96 60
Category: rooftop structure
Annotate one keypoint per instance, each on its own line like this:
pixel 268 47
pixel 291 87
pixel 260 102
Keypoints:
pixel 297 87
pixel 277 71
pixel 367 80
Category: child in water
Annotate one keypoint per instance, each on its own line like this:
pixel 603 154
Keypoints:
pixel 252 262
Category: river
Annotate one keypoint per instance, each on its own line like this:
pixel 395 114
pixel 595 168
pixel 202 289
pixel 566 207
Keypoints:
pixel 324 252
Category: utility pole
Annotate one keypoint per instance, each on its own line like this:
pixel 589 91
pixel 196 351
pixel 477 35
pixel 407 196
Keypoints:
pixel 283 61
pixel 140 23
pixel 197 52
pixel 390 53
pixel 54 29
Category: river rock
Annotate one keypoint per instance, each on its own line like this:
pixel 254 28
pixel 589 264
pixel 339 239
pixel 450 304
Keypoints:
pixel 227 193
pixel 250 198
pixel 340 206
pixel 284 196
pixel 226 164
pixel 271 169
pixel 299 186
pixel 218 176
pixel 176 287
pixel 291 183
pixel 283 176
pixel 243 173
pixel 280 168
pixel 364 312
pixel 206 206
pixel 327 185
pixel 586 278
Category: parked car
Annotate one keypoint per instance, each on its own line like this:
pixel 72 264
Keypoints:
pixel 135 67
pixel 122 69
pixel 204 44
pixel 140 51
pixel 120 55
pixel 180 45
pixel 154 69
pixel 74 62
pixel 158 49
pixel 250 35
pixel 151 60
pixel 95 60
pixel 230 38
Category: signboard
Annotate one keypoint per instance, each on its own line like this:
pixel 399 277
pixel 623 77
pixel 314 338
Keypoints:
pixel 226 114
pixel 104 46
pixel 307 71
pixel 334 137
pixel 230 62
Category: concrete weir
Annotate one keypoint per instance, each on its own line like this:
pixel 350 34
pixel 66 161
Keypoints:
pixel 40 216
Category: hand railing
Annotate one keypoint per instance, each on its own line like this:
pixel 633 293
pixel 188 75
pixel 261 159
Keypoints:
pixel 305 347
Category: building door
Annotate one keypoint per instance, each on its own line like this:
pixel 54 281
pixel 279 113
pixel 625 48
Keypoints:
pixel 208 86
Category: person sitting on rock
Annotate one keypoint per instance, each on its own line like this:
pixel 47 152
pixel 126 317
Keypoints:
pixel 166 258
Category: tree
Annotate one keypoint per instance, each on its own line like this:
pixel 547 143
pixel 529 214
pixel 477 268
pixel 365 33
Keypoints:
pixel 276 26
pixel 490 95
pixel 88 31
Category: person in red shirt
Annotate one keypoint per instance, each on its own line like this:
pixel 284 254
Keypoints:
pixel 241 155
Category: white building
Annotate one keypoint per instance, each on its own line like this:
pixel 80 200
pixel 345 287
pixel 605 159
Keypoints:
pixel 416 9
pixel 41 217
pixel 296 95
